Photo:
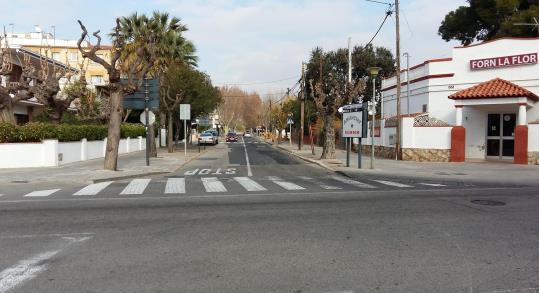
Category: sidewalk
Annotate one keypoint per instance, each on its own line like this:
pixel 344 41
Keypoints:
pixel 480 171
pixel 130 165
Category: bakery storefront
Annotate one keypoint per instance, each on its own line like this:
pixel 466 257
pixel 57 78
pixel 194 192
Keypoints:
pixel 480 104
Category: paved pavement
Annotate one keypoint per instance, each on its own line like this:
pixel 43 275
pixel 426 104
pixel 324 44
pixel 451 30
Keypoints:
pixel 273 224
pixel 472 171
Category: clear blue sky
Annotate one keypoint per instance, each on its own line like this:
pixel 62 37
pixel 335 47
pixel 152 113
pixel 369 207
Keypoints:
pixel 253 41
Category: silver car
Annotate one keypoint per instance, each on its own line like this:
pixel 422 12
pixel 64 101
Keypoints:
pixel 207 138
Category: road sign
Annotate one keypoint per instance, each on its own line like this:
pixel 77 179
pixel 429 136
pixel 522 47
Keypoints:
pixel 185 111
pixel 136 100
pixel 352 119
pixel 290 120
pixel 151 117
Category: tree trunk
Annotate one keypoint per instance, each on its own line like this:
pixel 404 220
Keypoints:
pixel 328 151
pixel 153 147
pixel 170 132
pixel 7 116
pixel 178 130
pixel 113 137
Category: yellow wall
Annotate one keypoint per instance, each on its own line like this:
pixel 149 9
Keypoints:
pixel 92 69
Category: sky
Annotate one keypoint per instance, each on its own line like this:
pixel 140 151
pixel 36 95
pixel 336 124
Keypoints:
pixel 256 44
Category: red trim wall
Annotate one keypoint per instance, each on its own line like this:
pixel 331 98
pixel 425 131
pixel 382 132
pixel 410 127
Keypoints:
pixel 444 75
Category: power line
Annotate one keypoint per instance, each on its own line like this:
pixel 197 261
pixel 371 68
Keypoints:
pixel 255 83
pixel 389 12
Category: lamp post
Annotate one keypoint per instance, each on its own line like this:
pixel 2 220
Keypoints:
pixel 374 73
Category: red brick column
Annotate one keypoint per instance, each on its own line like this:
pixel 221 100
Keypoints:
pixel 458 144
pixel 521 144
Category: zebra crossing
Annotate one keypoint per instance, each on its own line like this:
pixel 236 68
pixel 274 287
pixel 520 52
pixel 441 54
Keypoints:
pixel 218 185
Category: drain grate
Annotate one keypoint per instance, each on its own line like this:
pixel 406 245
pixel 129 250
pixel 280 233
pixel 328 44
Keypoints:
pixel 486 202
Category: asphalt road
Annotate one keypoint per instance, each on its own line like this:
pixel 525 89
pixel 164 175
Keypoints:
pixel 267 222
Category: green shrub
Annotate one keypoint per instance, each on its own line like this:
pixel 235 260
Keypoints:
pixel 37 131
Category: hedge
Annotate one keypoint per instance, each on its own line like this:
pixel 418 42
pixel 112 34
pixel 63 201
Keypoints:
pixel 37 131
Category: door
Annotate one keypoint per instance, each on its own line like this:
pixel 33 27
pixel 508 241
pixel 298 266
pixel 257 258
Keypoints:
pixel 501 136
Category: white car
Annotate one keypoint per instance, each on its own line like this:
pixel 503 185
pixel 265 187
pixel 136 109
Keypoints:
pixel 247 134
pixel 207 138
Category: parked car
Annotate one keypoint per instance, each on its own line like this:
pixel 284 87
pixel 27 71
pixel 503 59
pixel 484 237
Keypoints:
pixel 248 134
pixel 207 138
pixel 231 137
pixel 215 133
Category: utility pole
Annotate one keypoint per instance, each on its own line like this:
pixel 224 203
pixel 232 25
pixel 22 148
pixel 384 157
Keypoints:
pixel 302 108
pixel 407 82
pixel 398 155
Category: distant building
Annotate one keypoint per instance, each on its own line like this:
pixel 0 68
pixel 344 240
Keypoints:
pixel 64 51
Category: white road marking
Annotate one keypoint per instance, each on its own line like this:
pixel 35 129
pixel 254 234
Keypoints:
pixel 352 182
pixel 285 184
pixel 175 185
pixel 212 184
pixel 249 172
pixel 313 181
pixel 93 189
pixel 29 268
pixel 47 235
pixel 249 184
pixel 41 193
pixel 433 184
pixel 136 186
pixel 391 183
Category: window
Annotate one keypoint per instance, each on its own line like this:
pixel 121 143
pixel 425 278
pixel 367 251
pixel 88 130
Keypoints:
pixel 73 56
pixel 424 109
pixel 96 80
pixel 56 56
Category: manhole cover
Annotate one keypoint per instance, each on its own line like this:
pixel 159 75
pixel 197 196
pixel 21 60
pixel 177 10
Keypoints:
pixel 486 202
pixel 19 181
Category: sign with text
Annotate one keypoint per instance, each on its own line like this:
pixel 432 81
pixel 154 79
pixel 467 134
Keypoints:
pixel 185 111
pixel 352 118
pixel 504 61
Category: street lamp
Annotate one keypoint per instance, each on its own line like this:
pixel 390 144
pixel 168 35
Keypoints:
pixel 374 73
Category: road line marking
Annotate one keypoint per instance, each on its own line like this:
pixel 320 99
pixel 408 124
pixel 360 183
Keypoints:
pixel 352 182
pixel 28 269
pixel 433 184
pixel 93 189
pixel 391 183
pixel 136 186
pixel 175 185
pixel 249 184
pixel 24 270
pixel 41 193
pixel 322 185
pixel 48 235
pixel 249 172
pixel 212 184
pixel 285 184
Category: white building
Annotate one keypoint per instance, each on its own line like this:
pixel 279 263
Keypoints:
pixel 483 103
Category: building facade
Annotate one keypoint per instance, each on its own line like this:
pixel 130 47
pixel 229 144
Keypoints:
pixel 64 51
pixel 482 104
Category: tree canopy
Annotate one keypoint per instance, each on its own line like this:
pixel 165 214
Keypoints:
pixel 485 20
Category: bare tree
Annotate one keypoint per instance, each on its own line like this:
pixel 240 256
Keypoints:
pixel 170 104
pixel 115 90
pixel 328 98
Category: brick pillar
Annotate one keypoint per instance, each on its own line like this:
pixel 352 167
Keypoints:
pixel 521 144
pixel 458 144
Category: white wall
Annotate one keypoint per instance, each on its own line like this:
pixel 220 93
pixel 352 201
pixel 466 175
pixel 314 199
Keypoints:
pixel 533 138
pixel 46 153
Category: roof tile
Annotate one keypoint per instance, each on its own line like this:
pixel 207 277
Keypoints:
pixel 496 88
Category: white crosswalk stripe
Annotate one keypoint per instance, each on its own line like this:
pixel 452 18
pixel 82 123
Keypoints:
pixel 136 186
pixel 249 184
pixel 212 184
pixel 41 193
pixel 391 183
pixel 322 185
pixel 93 189
pixel 175 185
pixel 285 184
pixel 352 182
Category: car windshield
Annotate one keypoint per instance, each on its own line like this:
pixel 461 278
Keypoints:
pixel 206 134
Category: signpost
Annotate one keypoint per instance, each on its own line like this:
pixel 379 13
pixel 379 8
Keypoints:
pixel 353 127
pixel 290 122
pixel 185 114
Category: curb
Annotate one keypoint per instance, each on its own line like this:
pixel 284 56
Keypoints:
pixel 312 161
pixel 148 173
